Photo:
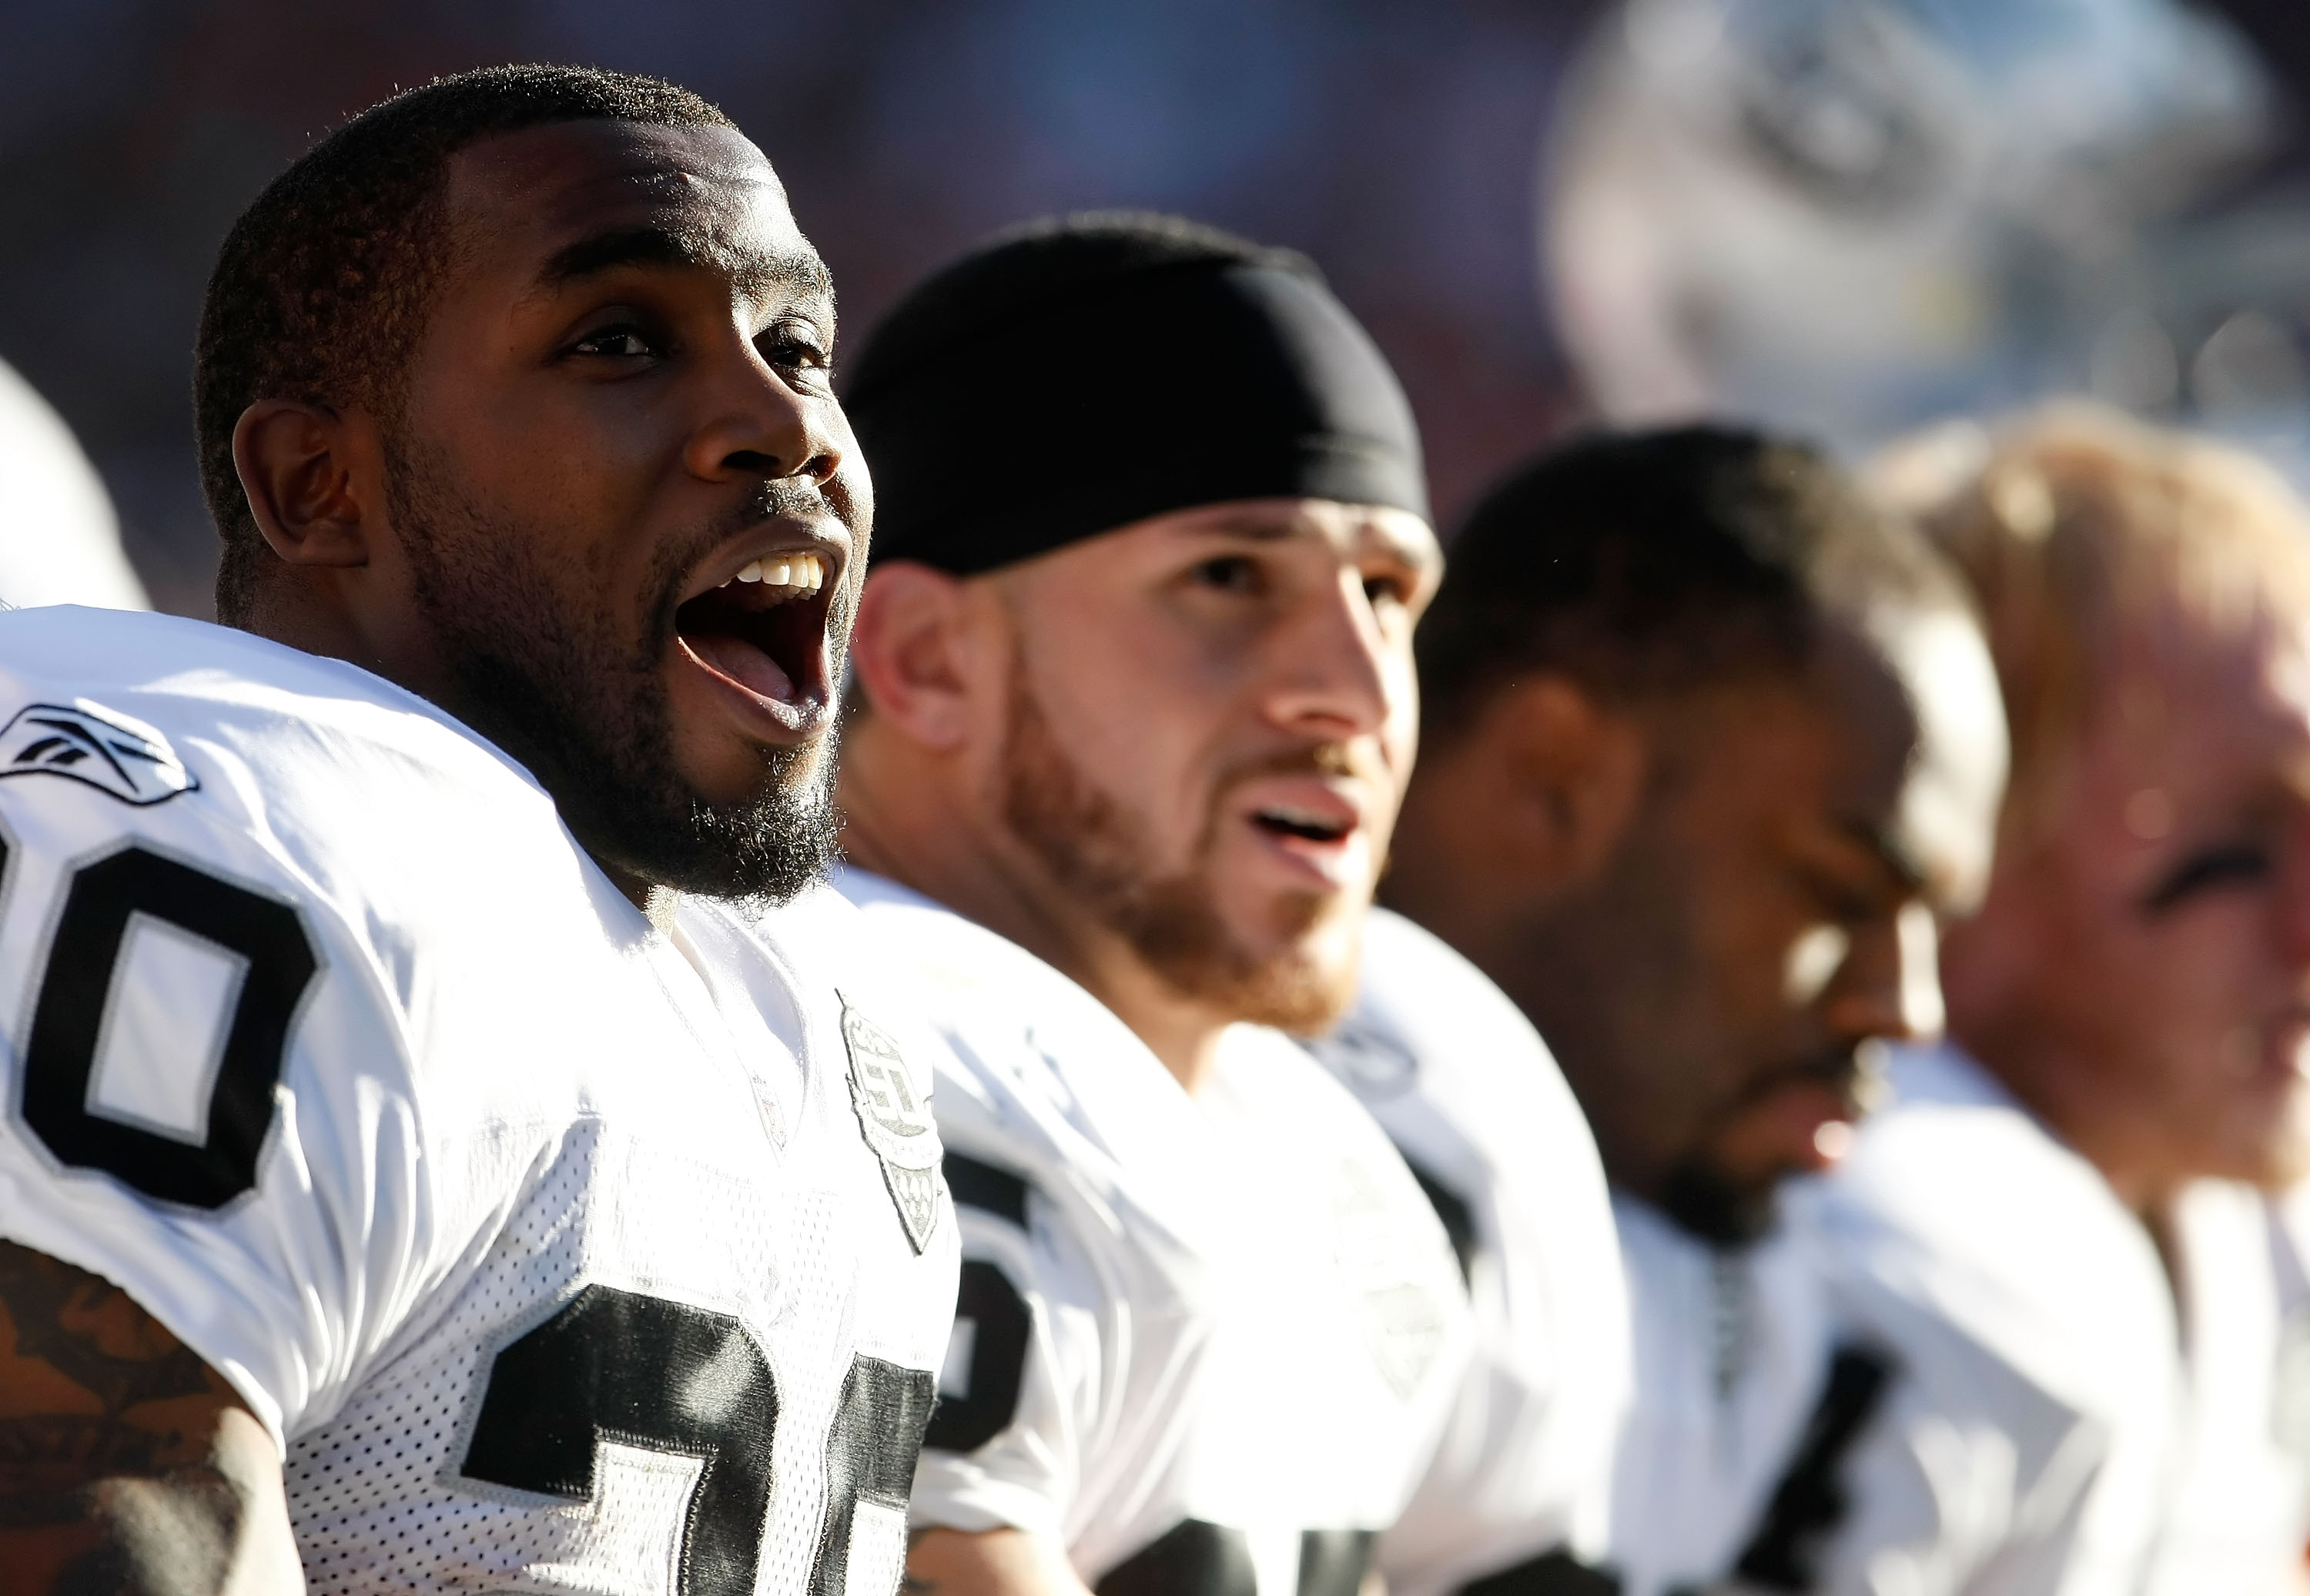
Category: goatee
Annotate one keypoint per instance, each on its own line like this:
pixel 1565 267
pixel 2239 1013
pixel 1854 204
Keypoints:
pixel 558 686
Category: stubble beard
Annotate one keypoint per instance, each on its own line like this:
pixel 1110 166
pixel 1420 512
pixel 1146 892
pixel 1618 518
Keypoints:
pixel 1099 854
pixel 584 708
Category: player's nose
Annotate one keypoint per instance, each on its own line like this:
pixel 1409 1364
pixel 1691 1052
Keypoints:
pixel 1328 667
pixel 1889 986
pixel 754 420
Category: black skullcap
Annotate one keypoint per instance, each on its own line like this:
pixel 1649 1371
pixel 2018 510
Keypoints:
pixel 1077 376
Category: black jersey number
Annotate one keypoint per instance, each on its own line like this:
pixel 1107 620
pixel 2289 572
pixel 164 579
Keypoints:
pixel 667 1376
pixel 100 905
pixel 994 1313
pixel 987 1301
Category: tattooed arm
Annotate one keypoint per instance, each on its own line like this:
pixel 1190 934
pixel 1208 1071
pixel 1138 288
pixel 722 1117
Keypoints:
pixel 127 1464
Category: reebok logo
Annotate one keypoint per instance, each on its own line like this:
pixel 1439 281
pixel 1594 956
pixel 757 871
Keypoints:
pixel 109 752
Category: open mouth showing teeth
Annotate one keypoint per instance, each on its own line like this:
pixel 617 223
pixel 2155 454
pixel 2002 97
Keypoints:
pixel 765 628
pixel 1301 823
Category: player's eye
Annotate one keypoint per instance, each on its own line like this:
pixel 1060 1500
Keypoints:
pixel 1387 590
pixel 2209 870
pixel 1228 573
pixel 1843 890
pixel 1846 904
pixel 621 341
pixel 798 347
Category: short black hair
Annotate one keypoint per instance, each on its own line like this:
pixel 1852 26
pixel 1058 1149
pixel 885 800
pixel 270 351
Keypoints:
pixel 320 290
pixel 1648 564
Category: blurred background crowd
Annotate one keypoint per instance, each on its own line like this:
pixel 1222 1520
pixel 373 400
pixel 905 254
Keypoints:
pixel 1846 216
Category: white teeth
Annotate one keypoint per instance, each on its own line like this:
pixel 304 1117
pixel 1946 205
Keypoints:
pixel 1301 816
pixel 798 573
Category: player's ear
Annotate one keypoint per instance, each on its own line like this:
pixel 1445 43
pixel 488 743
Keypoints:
pixel 909 649
pixel 301 466
pixel 1568 773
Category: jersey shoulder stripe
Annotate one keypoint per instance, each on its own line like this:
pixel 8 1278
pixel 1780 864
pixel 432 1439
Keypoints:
pixel 1453 1212
pixel 982 1186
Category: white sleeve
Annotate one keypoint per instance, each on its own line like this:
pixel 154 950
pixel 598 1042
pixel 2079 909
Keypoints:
pixel 208 1097
pixel 2023 1442
pixel 1969 1482
pixel 1020 1396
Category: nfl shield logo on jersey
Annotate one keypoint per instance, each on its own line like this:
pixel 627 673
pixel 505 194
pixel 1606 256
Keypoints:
pixel 896 1123
pixel 109 752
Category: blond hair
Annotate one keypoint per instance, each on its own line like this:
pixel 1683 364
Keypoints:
pixel 2073 525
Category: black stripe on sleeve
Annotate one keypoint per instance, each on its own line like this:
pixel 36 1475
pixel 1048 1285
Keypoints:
pixel 985 1188
pixel 1811 1501
pixel 1459 1220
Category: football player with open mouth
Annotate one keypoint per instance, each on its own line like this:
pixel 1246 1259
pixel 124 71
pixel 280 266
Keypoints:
pixel 456 1142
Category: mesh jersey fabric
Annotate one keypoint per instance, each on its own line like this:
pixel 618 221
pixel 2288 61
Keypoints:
pixel 1244 1313
pixel 1464 1085
pixel 528 1166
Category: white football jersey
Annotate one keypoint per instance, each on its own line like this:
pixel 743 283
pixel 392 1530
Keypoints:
pixel 2234 1517
pixel 1869 1401
pixel 1464 1085
pixel 1729 1351
pixel 558 1253
pixel 2289 1246
pixel 1205 1343
pixel 2187 1375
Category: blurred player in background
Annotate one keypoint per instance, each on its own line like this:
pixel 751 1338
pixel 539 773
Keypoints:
pixel 424 1156
pixel 2078 1173
pixel 1131 724
pixel 1711 745
pixel 59 539
pixel 1518 1500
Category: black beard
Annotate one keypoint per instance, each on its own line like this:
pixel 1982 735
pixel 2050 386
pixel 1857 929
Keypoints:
pixel 1702 1203
pixel 558 690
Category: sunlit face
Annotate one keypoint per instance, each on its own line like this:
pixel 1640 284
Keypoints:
pixel 629 501
pixel 1775 911
pixel 2171 898
pixel 1212 714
